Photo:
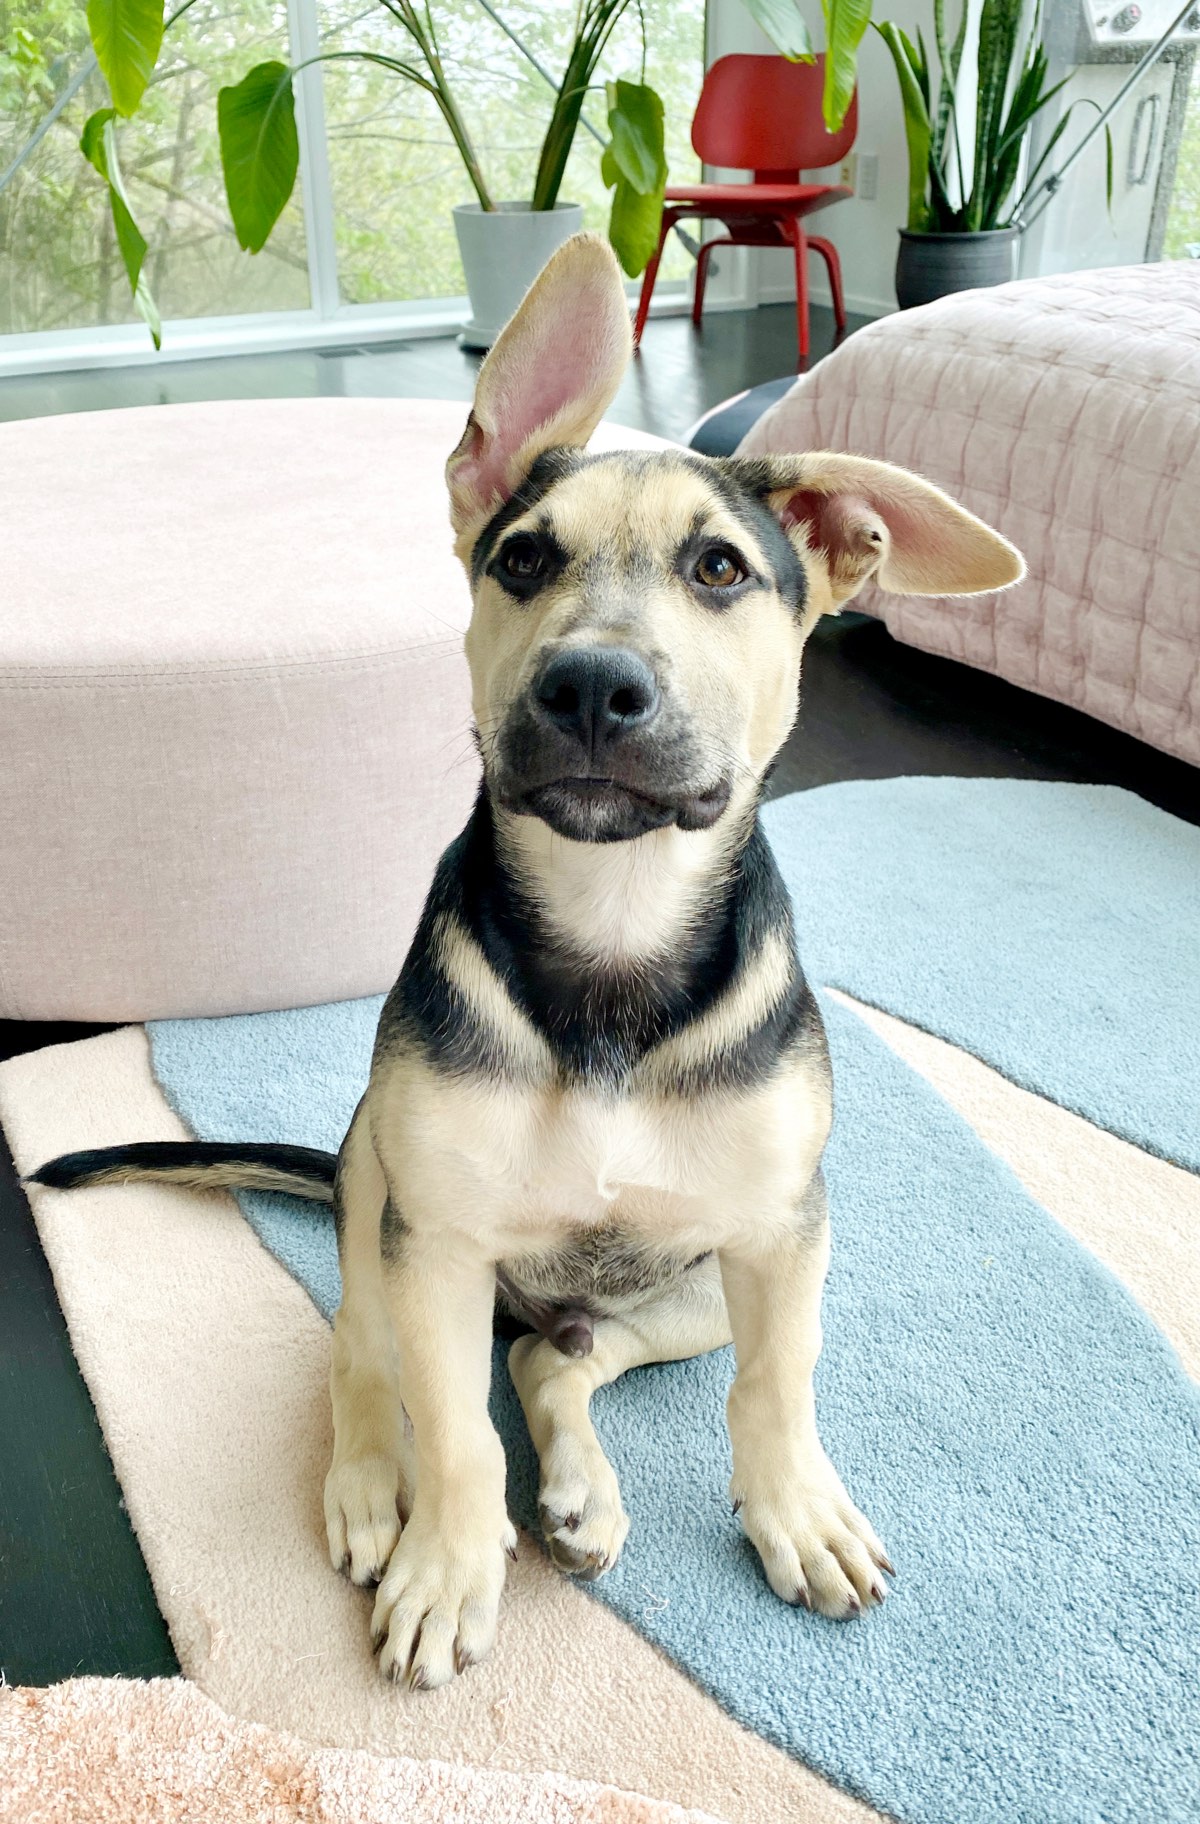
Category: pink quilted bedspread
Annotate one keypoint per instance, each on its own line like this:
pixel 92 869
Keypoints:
pixel 1065 411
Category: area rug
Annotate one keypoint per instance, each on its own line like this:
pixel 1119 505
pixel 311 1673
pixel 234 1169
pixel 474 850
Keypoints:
pixel 127 1751
pixel 1051 929
pixel 209 1369
pixel 222 1467
pixel 1015 1426
pixel 1021 1435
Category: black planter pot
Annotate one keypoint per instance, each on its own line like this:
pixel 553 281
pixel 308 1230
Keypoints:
pixel 930 266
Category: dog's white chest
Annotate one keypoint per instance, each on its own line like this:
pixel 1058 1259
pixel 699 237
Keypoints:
pixel 520 1163
pixel 570 1152
pixel 587 1149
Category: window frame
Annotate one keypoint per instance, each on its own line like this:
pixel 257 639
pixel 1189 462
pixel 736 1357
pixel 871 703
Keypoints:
pixel 327 323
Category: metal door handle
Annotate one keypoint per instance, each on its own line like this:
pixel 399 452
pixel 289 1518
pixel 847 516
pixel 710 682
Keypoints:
pixel 1134 177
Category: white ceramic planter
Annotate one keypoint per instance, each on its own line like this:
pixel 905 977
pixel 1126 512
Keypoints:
pixel 503 250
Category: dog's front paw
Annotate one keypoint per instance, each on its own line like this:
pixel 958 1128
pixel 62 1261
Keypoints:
pixel 436 1609
pixel 362 1518
pixel 816 1548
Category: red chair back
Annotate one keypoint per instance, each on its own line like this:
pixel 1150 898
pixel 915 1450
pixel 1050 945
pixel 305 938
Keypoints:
pixel 763 114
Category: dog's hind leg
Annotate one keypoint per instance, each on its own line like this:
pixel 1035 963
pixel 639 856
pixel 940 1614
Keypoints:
pixel 579 1500
pixel 371 1479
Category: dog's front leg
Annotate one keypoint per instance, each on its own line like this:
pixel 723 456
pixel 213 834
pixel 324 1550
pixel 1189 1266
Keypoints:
pixel 436 1609
pixel 816 1548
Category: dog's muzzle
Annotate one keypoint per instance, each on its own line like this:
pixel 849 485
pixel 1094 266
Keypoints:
pixel 590 751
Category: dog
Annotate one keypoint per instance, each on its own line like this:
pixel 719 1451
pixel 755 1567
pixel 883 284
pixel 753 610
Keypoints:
pixel 600 1089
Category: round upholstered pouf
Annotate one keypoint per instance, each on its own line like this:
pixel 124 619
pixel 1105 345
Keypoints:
pixel 234 711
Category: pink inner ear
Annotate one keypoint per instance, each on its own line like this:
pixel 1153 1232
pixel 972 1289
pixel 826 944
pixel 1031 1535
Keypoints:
pixel 535 382
pixel 841 525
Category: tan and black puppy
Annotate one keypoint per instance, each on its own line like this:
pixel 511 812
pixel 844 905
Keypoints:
pixel 600 1088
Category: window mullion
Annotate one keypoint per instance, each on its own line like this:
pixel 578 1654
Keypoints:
pixel 315 179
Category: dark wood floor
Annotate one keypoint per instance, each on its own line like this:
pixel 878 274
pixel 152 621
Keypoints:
pixel 74 1594
pixel 680 373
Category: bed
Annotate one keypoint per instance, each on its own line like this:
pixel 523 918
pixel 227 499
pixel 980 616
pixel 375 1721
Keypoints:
pixel 1066 411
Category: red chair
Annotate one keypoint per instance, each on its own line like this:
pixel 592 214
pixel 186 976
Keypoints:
pixel 761 114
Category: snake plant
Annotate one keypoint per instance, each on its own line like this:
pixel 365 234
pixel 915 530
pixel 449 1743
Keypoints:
pixel 954 187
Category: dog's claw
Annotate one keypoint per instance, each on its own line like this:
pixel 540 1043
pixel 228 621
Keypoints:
pixel 737 1504
pixel 885 1564
pixel 878 1591
pixel 803 1598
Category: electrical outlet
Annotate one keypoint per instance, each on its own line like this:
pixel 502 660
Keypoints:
pixel 867 187
pixel 849 170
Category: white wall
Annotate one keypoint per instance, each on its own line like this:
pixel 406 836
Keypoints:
pixel 864 233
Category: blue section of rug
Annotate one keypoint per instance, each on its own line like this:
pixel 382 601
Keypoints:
pixel 1018 1431
pixel 1053 930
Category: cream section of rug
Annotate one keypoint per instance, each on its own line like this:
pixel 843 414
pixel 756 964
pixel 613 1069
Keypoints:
pixel 124 1751
pixel 208 1367
pixel 1138 1214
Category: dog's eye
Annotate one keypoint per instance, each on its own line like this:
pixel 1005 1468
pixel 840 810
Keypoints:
pixel 719 568
pixel 522 560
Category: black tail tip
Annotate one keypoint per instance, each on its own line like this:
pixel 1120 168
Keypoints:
pixel 67 1170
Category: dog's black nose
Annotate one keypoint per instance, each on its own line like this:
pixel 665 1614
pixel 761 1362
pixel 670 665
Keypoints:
pixel 597 692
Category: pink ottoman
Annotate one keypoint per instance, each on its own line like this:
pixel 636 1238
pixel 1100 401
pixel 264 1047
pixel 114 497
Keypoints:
pixel 234 711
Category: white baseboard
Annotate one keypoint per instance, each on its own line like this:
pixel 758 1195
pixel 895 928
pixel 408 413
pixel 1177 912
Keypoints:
pixel 856 303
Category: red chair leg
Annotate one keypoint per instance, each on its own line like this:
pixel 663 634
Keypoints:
pixel 793 232
pixel 701 279
pixel 702 259
pixel 643 309
pixel 829 254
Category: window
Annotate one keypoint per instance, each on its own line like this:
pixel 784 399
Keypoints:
pixel 1182 239
pixel 61 269
pixel 391 173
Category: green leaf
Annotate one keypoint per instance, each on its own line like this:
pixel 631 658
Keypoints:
pixel 998 25
pixel 635 120
pixel 784 26
pixel 98 144
pixel 845 23
pixel 634 227
pixel 634 168
pixel 260 152
pixel 126 36
pixel 916 120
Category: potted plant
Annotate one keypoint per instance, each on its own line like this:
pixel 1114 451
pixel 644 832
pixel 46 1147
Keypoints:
pixel 964 202
pixel 503 243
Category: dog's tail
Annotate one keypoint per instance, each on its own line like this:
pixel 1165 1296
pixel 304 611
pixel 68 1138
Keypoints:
pixel 198 1165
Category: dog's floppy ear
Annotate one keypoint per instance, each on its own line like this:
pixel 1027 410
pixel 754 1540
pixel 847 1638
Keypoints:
pixel 862 519
pixel 548 380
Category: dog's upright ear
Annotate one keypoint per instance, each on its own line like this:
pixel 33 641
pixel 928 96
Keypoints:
pixel 861 519
pixel 548 380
